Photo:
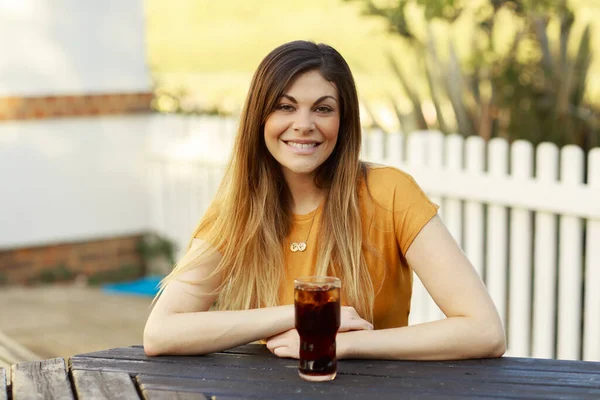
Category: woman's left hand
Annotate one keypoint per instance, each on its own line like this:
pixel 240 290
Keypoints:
pixel 285 345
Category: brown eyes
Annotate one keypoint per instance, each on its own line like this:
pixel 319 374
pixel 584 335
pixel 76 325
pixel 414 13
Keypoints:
pixel 324 109
pixel 285 107
pixel 290 108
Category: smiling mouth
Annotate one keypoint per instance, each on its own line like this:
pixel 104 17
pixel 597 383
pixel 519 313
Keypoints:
pixel 302 145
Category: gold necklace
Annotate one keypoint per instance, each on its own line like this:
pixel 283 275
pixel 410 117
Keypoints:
pixel 301 246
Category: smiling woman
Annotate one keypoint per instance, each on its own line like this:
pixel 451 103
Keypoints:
pixel 302 131
pixel 297 201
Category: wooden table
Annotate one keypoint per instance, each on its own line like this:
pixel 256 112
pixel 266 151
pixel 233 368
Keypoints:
pixel 252 372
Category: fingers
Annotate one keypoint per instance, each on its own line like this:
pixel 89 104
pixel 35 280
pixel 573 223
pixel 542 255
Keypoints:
pixel 277 340
pixel 285 344
pixel 351 321
pixel 281 350
pixel 273 343
pixel 275 348
pixel 356 325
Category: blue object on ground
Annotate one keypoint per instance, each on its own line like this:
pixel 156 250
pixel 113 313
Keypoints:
pixel 147 286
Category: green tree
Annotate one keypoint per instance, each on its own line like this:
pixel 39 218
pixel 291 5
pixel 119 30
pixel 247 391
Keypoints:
pixel 518 81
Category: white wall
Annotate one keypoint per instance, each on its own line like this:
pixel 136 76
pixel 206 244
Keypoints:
pixel 72 46
pixel 72 179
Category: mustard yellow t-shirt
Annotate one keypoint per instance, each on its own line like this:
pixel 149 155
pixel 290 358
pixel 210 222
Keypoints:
pixel 399 209
pixel 393 212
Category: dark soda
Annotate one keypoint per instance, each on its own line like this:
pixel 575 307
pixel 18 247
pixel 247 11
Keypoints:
pixel 317 322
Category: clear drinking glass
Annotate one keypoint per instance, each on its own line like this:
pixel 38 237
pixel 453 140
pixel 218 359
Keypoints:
pixel 317 307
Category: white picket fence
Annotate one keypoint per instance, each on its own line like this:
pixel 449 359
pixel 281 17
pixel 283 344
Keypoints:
pixel 523 216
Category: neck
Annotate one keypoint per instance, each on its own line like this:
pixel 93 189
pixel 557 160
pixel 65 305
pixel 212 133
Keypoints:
pixel 305 195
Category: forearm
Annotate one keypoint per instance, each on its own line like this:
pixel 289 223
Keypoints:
pixel 448 339
pixel 210 331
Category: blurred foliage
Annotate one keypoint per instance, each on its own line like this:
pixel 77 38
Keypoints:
pixel 518 80
pixel 176 102
pixel 123 273
pixel 179 101
pixel 60 273
pixel 154 246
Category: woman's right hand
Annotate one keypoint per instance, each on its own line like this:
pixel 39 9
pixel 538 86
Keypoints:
pixel 351 321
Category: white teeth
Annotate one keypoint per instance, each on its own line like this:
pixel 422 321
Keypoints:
pixel 302 145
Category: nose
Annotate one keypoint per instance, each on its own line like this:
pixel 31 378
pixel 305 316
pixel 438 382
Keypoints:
pixel 304 122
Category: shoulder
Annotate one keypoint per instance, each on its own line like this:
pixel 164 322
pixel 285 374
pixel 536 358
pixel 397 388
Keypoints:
pixel 393 190
pixel 397 198
pixel 386 172
pixel 384 181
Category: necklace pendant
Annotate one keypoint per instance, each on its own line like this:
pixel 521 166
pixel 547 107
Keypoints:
pixel 295 246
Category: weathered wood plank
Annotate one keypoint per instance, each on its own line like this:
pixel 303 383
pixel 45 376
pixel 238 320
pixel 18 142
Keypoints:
pixel 3 388
pixel 41 380
pixel 99 385
pixel 267 389
pixel 252 371
pixel 457 370
pixel 353 387
pixel 512 363
pixel 172 395
pixel 283 388
pixel 268 380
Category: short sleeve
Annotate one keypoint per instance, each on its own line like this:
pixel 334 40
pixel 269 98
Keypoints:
pixel 202 232
pixel 412 210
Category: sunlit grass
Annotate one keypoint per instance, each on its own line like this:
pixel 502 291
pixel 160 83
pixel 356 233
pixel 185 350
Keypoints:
pixel 210 49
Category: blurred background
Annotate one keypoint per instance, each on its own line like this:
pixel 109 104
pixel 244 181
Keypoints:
pixel 117 118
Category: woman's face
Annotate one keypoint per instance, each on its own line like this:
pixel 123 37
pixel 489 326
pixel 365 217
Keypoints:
pixel 302 131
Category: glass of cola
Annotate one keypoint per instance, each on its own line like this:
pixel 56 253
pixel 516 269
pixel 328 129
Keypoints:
pixel 317 307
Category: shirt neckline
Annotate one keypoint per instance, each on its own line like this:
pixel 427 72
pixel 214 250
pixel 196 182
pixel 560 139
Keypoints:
pixel 310 215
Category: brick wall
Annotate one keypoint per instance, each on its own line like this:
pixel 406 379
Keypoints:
pixel 27 108
pixel 112 259
pixel 98 261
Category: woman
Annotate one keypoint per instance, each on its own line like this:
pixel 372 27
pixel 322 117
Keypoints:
pixel 297 201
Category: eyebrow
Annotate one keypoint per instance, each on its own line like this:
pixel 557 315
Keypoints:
pixel 320 99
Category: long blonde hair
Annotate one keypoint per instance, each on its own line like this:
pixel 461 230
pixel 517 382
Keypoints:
pixel 250 216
